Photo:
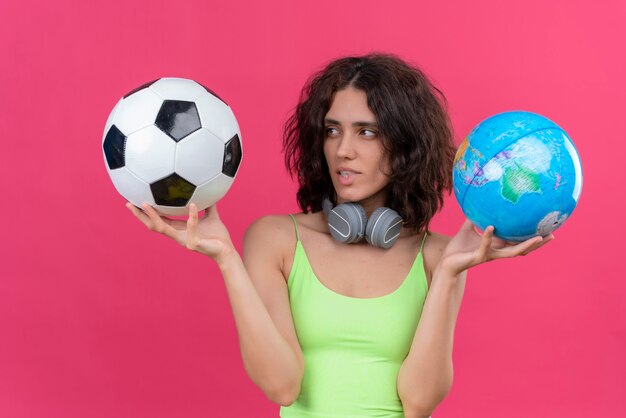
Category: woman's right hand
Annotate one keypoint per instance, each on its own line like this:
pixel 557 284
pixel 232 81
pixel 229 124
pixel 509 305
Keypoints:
pixel 206 235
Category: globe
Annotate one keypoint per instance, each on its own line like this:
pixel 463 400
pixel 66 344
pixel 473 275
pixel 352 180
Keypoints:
pixel 519 172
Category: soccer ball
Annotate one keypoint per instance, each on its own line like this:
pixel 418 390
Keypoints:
pixel 172 142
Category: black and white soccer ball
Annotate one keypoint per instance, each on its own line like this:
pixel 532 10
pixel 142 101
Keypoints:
pixel 172 142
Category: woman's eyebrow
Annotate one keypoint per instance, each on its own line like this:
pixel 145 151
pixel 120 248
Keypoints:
pixel 363 124
pixel 358 124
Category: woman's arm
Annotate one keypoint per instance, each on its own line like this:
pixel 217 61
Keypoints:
pixel 269 346
pixel 426 375
pixel 257 291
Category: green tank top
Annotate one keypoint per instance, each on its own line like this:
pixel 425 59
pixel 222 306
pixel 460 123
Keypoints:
pixel 353 347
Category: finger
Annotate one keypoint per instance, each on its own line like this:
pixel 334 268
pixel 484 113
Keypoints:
pixel 485 243
pixel 145 219
pixel 192 224
pixel 156 222
pixel 539 244
pixel 521 248
pixel 193 215
pixel 211 212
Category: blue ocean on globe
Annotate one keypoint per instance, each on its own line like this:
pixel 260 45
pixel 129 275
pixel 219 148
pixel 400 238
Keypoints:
pixel 519 172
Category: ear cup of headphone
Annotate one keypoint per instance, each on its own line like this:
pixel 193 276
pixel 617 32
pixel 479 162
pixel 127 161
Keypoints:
pixel 346 222
pixel 383 227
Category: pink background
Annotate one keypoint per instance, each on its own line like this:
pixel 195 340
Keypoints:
pixel 101 318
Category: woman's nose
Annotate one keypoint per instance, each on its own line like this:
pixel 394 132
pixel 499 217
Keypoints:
pixel 345 148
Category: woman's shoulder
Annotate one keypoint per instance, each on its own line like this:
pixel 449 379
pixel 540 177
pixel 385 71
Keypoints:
pixel 275 226
pixel 284 223
pixel 275 236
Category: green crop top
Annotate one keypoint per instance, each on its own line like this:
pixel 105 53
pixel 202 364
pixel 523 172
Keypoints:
pixel 353 347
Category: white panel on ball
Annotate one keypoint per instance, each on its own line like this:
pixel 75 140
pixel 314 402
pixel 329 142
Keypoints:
pixel 137 111
pixel 199 157
pixel 135 190
pixel 178 89
pixel 217 117
pixel 171 210
pixel 150 154
pixel 210 192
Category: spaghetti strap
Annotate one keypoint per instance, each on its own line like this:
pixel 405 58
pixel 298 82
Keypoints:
pixel 423 241
pixel 296 225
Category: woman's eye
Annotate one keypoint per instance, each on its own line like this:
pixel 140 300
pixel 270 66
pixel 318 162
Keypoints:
pixel 331 131
pixel 369 133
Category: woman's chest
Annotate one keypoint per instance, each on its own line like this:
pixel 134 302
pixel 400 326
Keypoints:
pixel 360 270
pixel 362 307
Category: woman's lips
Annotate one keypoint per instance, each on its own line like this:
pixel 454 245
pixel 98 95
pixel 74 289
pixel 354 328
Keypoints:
pixel 346 178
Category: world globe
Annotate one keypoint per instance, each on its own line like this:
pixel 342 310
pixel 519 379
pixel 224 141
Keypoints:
pixel 519 172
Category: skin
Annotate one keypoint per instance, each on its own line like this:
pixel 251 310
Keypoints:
pixel 352 141
pixel 258 289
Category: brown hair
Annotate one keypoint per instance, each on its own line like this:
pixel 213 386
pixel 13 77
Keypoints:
pixel 412 119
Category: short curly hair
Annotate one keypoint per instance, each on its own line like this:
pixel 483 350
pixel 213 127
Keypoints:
pixel 412 119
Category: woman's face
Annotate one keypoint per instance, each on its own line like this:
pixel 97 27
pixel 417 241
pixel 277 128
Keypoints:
pixel 354 151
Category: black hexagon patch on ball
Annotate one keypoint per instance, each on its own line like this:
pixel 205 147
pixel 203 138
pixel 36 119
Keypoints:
pixel 232 156
pixel 114 146
pixel 173 190
pixel 178 119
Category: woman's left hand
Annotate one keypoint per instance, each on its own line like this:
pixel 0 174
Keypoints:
pixel 468 248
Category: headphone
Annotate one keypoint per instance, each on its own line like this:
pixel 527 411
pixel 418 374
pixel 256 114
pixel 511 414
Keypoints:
pixel 348 223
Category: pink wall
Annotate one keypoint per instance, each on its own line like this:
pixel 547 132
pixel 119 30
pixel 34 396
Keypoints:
pixel 101 318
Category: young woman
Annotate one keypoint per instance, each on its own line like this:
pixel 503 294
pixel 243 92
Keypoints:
pixel 331 325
